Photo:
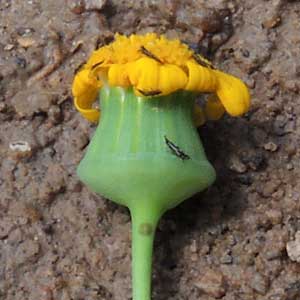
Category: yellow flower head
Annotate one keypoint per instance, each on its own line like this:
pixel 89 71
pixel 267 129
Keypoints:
pixel 155 66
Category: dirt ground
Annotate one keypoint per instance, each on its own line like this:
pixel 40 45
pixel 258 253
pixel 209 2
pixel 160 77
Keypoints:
pixel 239 240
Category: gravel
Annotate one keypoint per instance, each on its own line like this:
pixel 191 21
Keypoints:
pixel 293 248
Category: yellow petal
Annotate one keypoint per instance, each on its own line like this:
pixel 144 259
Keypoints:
pixel 85 89
pixel 84 82
pixel 199 117
pixel 200 79
pixel 143 74
pixel 90 114
pixel 171 78
pixel 233 94
pixel 102 56
pixel 117 76
pixel 214 109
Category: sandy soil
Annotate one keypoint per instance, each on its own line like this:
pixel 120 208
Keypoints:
pixel 239 240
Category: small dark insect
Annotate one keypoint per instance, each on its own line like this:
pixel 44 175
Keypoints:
pixel 149 54
pixel 97 65
pixel 202 62
pixel 79 67
pixel 150 93
pixel 176 150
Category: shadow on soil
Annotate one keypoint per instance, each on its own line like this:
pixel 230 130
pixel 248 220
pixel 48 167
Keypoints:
pixel 207 213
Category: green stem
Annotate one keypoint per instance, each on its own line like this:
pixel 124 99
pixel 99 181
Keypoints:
pixel 144 224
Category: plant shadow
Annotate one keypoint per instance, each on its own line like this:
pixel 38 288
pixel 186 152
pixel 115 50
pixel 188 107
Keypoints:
pixel 209 212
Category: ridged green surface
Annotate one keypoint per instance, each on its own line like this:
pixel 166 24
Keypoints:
pixel 129 162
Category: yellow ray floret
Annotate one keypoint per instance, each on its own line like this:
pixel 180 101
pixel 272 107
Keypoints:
pixel 154 65
pixel 85 89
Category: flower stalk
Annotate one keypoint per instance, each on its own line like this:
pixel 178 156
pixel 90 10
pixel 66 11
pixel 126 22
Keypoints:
pixel 144 224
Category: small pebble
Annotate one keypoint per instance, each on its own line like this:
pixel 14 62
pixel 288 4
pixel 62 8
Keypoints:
pixel 250 82
pixel 54 114
pixel 76 6
pixel 94 4
pixel 20 149
pixel 193 246
pixel 8 47
pixel 292 85
pixel 205 250
pixel 255 161
pixel 236 165
pixel 20 146
pixel 26 42
pixel 270 187
pixel 211 283
pixel 272 22
pixel 259 283
pixel 3 106
pixel 226 259
pixel 194 257
pixel 275 244
pixel 293 248
pixel 270 146
pixel 231 240
pixel 275 216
